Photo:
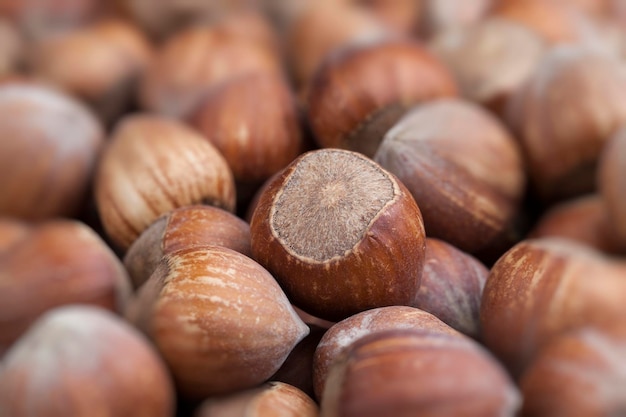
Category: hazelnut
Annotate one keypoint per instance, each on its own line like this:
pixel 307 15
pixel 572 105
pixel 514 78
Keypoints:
pixel 49 144
pixel 452 287
pixel 55 263
pixel 344 333
pixel 99 64
pixel 269 400
pixel 462 201
pixel 610 180
pixel 12 231
pixel 362 91
pixel 340 234
pixel 412 372
pixel 80 361
pixel 12 47
pixel 218 318
pixel 442 15
pixel 542 288
pixel 578 374
pixel 195 60
pixel 584 219
pixel 402 16
pixel 184 227
pixel 490 59
pixel 564 114
pixel 145 172
pixel 256 141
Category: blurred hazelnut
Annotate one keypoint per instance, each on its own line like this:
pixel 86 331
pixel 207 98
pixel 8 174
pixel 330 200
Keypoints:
pixel 452 287
pixel 256 140
pixel 269 400
pixel 344 333
pixel 183 227
pixel 99 64
pixel 564 114
pixel 490 60
pixel 152 165
pixel 55 263
pixel 583 219
pixel 578 374
pixel 438 16
pixel 12 231
pixel 334 213
pixel 412 372
pixel 11 47
pixel 449 169
pixel 83 361
pixel 542 288
pixel 611 183
pixel 49 144
pixel 195 60
pixel 219 319
pixel 360 92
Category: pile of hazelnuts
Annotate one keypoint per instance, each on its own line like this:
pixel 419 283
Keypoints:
pixel 353 208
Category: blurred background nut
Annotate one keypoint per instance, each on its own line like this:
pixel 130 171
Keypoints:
pixel 564 114
pixel 340 234
pixel 183 227
pixel 257 140
pixel 490 59
pixel 412 372
pixel 449 169
pixel 612 183
pixel 55 263
pixel 49 145
pixel 271 399
pixel 452 287
pixel 195 60
pixel 584 219
pixel 218 318
pixel 152 165
pixel 12 47
pixel 437 16
pixel 99 64
pixel 542 288
pixel 12 230
pixel 78 361
pixel 341 335
pixel 362 91
pixel 578 374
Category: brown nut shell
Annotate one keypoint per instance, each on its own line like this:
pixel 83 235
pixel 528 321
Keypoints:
pixel 152 165
pixel 412 372
pixel 340 234
pixel 80 360
pixel 612 183
pixel 360 92
pixel 56 263
pixel 273 399
pixel 195 225
pixel 218 318
pixel 339 337
pixel 542 288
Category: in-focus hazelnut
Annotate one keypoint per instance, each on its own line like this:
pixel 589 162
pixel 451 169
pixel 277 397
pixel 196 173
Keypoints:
pixel 55 263
pixel 152 165
pixel 340 234
pixel 542 288
pixel 83 361
pixel 49 144
pixel 218 318
pixel 187 226
pixel 452 287
pixel 361 91
pixel 449 169
pixel 412 372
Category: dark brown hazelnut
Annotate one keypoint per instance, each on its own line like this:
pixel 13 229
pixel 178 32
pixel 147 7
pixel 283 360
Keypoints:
pixel 340 234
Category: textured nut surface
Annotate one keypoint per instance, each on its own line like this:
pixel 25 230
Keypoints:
pixel 219 319
pixel 152 165
pixel 77 361
pixel 340 234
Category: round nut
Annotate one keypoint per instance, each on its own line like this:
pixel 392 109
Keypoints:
pixel 145 172
pixel 218 318
pixel 611 183
pixel 340 234
pixel 79 360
